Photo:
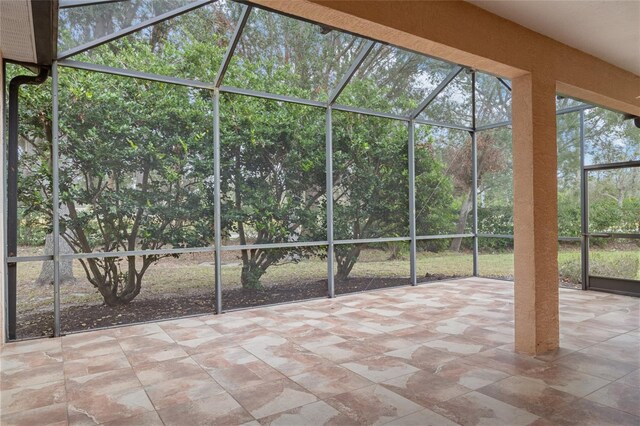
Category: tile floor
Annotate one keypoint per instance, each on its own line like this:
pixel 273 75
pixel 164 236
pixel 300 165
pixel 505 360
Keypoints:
pixel 436 354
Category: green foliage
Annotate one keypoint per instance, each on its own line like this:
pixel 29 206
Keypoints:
pixel 437 196
pixel 32 229
pixel 370 177
pixel 398 250
pixel 496 219
pixel 135 157
pixel 569 214
pixel 621 263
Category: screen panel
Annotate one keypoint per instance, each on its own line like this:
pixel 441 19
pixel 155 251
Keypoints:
pixel 495 181
pixel 453 105
pixel 614 200
pixel 609 137
pixel 177 47
pixel 84 24
pixel 285 56
pixel 444 187
pixel 445 258
pixel 256 277
pixel 273 183
pixel 569 174
pixel 393 80
pixel 493 100
pixel 136 164
pixel 127 290
pixel 34 299
pixel 570 264
pixel 495 258
pixel 614 258
pixel 371 177
pixel 362 267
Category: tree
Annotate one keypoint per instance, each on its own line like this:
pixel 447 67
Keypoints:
pixel 273 153
pixel 491 159
pixel 371 183
pixel 608 138
pixel 569 175
pixel 80 25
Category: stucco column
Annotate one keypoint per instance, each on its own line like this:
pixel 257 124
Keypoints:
pixel 535 214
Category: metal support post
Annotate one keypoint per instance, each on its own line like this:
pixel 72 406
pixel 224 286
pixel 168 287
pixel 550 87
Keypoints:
pixel 55 174
pixel 584 207
pixel 329 183
pixel 412 204
pixel 216 196
pixel 474 173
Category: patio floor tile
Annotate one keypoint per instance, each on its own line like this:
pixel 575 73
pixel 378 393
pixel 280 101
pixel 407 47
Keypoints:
pixel 316 413
pixel 469 375
pixel 528 394
pixel 618 395
pixel 380 368
pixel 182 390
pixel 157 372
pixel 30 397
pixel 425 388
pixel 371 406
pixel 329 379
pixel 219 409
pixel 475 408
pixel 441 353
pixel 590 413
pixel 273 397
pixel 55 415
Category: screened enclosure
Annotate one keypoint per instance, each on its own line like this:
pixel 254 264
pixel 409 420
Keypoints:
pixel 193 157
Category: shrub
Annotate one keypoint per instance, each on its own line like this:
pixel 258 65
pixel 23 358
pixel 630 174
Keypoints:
pixel 615 264
pixel 606 263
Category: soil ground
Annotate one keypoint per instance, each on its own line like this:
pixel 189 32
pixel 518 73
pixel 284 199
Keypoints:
pixel 86 317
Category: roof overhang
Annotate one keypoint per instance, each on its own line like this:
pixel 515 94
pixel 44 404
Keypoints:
pixel 28 31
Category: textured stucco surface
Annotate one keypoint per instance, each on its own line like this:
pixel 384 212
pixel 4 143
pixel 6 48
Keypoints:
pixel 535 214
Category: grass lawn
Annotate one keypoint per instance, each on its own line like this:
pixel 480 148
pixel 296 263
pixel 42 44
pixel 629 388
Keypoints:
pixel 195 273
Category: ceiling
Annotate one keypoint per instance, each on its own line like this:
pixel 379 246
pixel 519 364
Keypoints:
pixel 607 29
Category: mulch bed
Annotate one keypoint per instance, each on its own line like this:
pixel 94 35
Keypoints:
pixel 570 284
pixel 79 318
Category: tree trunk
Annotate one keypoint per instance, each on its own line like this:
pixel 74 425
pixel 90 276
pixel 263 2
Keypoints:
pixel 66 266
pixel 346 263
pixel 251 273
pixel 117 287
pixel 467 205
